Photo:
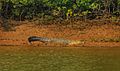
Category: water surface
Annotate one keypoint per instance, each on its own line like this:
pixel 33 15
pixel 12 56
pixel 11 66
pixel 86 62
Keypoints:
pixel 21 58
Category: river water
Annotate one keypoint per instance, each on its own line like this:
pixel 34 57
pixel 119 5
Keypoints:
pixel 59 58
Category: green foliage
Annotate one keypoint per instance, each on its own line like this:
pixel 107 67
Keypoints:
pixel 28 9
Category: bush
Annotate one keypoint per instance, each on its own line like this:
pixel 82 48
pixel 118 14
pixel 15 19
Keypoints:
pixel 28 9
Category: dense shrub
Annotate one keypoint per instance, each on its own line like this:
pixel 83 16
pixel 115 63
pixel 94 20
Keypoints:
pixel 28 9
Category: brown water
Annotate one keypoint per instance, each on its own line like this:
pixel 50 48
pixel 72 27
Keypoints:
pixel 21 58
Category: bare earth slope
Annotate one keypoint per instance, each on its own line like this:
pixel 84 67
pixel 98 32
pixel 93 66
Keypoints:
pixel 105 35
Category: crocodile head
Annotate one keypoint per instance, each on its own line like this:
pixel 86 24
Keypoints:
pixel 31 38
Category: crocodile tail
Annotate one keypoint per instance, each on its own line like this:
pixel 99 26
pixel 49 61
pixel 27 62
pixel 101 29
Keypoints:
pixel 75 42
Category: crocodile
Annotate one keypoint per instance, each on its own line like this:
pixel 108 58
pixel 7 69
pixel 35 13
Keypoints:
pixel 55 40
